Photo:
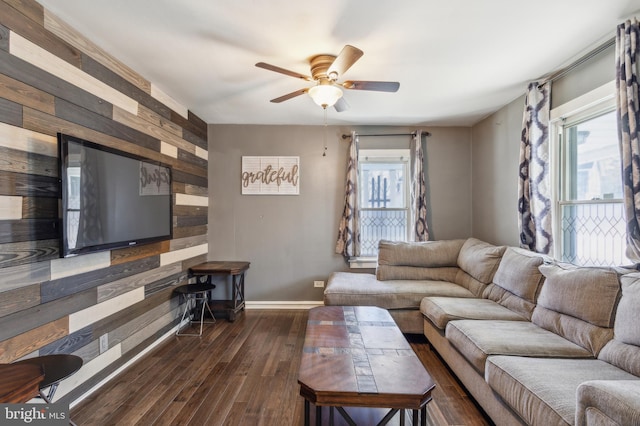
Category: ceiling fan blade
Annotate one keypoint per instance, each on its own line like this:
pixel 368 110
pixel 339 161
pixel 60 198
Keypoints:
pixel 283 71
pixel 378 86
pixel 289 96
pixel 341 105
pixel 347 57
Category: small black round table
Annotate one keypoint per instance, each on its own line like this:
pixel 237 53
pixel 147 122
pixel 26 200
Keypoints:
pixel 194 294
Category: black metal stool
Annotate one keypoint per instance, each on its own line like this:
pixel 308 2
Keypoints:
pixel 193 294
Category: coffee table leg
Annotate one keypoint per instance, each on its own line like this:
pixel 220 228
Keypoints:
pixel 402 416
pixel 306 412
pixel 318 415
pixel 415 417
pixel 423 415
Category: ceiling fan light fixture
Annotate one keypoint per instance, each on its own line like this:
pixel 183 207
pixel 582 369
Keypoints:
pixel 325 95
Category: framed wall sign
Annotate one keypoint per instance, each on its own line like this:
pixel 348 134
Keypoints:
pixel 270 175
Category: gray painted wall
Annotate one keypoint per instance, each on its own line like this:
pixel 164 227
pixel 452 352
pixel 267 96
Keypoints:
pixel 496 152
pixel 290 240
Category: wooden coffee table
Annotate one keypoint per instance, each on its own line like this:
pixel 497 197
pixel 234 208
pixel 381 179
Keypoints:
pixel 356 356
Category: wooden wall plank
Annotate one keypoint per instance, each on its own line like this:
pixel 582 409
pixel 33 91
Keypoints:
pixel 115 288
pixel 68 344
pixel 23 275
pixel 189 231
pixel 27 73
pixel 43 59
pixel 84 317
pixel 67 33
pixel 180 243
pixel 19 299
pixel 22 26
pixel 138 252
pixel 23 344
pixel 189 189
pixel 12 160
pixel 153 117
pixel 180 210
pixel 31 318
pixel 27 140
pixel 70 112
pixel 39 208
pixel 24 94
pixel 28 185
pixel 135 122
pixel 202 153
pixel 189 178
pixel 14 254
pixel 66 267
pixel 168 149
pixel 56 289
pixel 142 321
pixel 196 138
pixel 181 221
pixel 188 263
pixel 182 254
pixel 165 283
pixel 10 112
pixel 191 158
pixel 176 107
pixel 191 200
pixel 10 208
pixel 4 38
pixel 13 231
pixel 30 9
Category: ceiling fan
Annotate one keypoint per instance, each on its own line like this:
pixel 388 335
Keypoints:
pixel 326 70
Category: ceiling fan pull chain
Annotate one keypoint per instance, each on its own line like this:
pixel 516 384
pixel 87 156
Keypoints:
pixel 324 154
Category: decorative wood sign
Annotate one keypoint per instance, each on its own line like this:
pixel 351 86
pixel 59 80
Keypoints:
pixel 270 175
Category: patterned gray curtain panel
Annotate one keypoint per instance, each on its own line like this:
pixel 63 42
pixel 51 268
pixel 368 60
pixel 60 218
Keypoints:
pixel 628 113
pixel 348 243
pixel 534 202
pixel 418 206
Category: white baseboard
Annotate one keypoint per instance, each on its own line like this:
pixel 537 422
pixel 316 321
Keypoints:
pixel 284 305
pixel 126 365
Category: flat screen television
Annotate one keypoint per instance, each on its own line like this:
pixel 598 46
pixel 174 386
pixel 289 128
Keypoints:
pixel 111 199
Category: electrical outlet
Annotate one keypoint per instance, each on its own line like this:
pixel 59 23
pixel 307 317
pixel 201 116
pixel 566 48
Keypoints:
pixel 104 343
pixel 318 283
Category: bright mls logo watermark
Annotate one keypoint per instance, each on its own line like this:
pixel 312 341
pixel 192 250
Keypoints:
pixel 34 414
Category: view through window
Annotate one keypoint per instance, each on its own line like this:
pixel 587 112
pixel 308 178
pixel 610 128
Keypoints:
pixel 383 192
pixel 593 230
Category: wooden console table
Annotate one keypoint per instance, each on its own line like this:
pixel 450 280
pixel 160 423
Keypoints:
pixel 205 272
pixel 355 356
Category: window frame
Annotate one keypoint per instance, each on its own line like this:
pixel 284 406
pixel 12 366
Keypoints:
pixel 597 102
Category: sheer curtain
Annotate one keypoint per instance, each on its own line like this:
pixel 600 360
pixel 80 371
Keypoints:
pixel 348 243
pixel 534 198
pixel 628 114
pixel 418 207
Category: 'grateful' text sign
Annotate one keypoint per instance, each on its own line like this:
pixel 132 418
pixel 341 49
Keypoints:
pixel 270 175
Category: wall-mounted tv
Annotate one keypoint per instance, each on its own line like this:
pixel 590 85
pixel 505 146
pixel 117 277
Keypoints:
pixel 110 198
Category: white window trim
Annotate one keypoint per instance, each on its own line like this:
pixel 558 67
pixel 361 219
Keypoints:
pixel 597 100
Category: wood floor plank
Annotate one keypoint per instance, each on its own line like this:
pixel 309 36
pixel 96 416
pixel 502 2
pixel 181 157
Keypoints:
pixel 244 373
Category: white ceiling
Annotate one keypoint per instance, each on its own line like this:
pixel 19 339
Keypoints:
pixel 457 60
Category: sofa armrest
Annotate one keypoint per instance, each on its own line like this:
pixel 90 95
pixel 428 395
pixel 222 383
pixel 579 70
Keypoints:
pixel 608 402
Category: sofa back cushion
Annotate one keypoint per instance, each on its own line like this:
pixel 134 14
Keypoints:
pixel 480 259
pixel 624 350
pixel 429 260
pixel 578 304
pixel 428 254
pixel 517 281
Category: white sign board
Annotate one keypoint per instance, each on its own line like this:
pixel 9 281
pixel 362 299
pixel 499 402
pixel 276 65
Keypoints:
pixel 270 175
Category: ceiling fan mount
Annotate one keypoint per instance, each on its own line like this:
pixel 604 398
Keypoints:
pixel 326 70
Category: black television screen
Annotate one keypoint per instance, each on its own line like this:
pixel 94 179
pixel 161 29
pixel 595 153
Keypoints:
pixel 111 199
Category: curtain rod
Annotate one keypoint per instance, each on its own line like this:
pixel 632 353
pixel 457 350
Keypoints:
pixel 389 134
pixel 561 73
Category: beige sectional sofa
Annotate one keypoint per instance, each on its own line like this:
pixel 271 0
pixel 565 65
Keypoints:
pixel 534 341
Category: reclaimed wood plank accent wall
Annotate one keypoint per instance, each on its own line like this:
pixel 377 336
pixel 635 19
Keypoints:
pixel 52 79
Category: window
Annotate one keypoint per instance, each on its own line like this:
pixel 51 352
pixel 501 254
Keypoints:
pixel 590 210
pixel 383 197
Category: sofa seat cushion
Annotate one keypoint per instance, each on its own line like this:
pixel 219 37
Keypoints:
pixel 441 310
pixel 478 339
pixel 608 402
pixel 543 390
pixel 354 289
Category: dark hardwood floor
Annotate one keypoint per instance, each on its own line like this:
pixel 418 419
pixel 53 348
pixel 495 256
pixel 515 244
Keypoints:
pixel 244 373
